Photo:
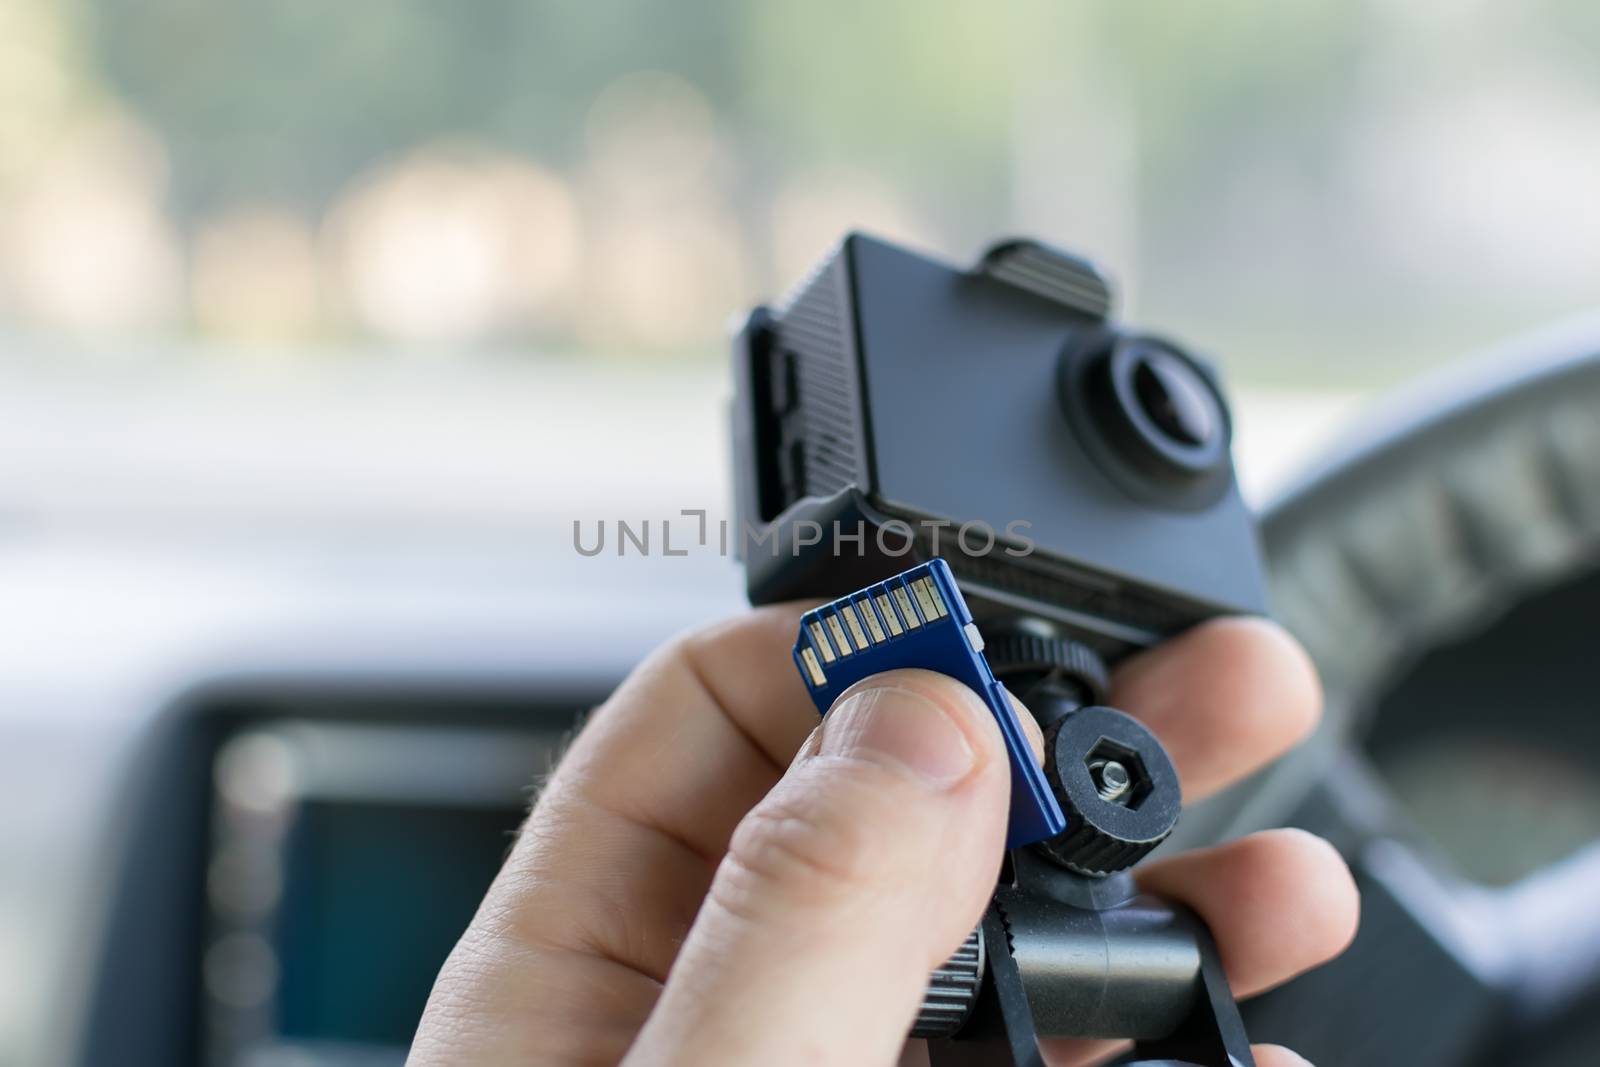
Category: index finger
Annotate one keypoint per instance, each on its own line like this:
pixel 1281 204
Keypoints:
pixel 620 849
pixel 575 937
pixel 1225 698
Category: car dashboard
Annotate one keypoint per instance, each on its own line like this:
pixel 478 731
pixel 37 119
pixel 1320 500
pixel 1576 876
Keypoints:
pixel 319 782
pixel 256 774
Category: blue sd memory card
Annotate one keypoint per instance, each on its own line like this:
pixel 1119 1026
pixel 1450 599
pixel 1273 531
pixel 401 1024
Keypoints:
pixel 918 619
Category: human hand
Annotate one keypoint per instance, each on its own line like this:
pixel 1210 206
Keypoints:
pixel 711 877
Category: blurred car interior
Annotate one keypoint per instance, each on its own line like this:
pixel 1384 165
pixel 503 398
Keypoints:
pixel 320 348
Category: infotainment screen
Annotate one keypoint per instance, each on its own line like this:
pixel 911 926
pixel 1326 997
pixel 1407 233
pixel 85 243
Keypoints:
pixel 375 898
pixel 347 858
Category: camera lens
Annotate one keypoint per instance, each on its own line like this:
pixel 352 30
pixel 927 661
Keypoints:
pixel 1173 397
pixel 1149 412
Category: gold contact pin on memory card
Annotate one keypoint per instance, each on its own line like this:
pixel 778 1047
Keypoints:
pixel 814 669
pixel 852 620
pixel 840 640
pixel 924 601
pixel 890 619
pixel 874 630
pixel 820 639
pixel 907 612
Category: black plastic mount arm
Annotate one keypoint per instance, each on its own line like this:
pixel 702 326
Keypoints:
pixel 1069 956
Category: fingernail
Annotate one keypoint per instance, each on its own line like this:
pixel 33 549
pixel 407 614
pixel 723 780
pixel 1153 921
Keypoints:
pixel 899 726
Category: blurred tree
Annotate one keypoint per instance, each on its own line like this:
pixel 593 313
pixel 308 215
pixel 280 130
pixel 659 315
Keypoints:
pixel 287 100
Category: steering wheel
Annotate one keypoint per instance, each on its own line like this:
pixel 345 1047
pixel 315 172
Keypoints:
pixel 1442 571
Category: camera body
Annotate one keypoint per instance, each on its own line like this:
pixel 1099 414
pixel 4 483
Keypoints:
pixel 1075 479
pixel 894 408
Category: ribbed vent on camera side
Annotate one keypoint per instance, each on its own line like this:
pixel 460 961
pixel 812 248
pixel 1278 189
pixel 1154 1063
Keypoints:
pixel 815 336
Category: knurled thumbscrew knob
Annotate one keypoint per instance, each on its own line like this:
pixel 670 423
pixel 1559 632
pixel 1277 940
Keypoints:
pixel 1117 786
pixel 952 990
pixel 1026 653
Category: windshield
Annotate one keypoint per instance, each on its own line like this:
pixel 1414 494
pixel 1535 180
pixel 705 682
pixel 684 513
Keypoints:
pixel 305 259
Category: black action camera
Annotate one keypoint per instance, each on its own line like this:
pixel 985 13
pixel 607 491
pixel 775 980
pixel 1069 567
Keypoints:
pixel 1076 477
pixel 1065 467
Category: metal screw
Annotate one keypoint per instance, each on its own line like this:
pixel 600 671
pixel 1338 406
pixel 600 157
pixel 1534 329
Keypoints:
pixel 1111 779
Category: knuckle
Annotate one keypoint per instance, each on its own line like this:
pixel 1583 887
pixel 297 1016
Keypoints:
pixel 802 850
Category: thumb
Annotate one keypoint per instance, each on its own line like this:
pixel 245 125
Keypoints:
pixel 858 874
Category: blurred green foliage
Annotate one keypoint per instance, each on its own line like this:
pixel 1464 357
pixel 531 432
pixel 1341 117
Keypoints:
pixel 1254 170
pixel 286 100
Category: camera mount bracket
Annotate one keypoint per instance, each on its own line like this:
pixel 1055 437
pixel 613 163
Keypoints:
pixel 1065 959
pixel 1068 947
